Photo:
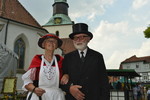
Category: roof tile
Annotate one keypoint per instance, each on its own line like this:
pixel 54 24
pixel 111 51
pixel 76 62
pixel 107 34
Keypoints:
pixel 137 59
pixel 13 10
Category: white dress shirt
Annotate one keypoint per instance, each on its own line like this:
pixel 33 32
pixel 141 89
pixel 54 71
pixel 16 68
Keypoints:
pixel 84 54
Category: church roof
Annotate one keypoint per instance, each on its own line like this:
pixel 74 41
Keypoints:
pixel 65 20
pixel 60 14
pixel 13 10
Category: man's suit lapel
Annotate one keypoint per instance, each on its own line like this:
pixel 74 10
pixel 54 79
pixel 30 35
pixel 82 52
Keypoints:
pixel 76 55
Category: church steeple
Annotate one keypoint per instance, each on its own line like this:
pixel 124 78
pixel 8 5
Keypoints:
pixel 60 7
pixel 60 13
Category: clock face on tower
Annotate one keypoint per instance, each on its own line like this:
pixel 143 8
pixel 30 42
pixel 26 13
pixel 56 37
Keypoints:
pixel 57 20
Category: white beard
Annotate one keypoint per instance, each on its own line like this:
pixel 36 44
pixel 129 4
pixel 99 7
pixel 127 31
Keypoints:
pixel 80 46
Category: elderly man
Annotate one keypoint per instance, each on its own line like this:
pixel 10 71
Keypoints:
pixel 86 69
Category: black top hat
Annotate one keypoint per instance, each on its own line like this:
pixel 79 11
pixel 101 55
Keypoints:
pixel 80 28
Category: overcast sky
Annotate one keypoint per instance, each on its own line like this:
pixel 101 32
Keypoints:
pixel 117 25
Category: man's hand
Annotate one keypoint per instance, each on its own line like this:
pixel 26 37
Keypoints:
pixel 39 91
pixel 76 93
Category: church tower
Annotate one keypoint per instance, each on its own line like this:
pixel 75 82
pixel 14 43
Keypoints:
pixel 60 23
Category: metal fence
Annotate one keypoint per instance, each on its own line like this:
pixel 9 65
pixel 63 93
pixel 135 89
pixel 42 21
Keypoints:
pixel 121 95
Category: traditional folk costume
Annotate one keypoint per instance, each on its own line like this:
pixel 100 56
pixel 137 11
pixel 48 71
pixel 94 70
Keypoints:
pixel 48 74
pixel 45 75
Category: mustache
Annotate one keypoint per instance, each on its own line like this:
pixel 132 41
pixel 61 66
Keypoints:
pixel 80 45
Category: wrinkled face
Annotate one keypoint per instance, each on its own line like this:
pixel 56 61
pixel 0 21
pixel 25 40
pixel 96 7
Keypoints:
pixel 50 44
pixel 80 41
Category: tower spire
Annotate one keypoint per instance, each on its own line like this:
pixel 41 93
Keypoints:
pixel 60 13
pixel 60 7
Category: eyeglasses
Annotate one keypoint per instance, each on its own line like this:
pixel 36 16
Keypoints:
pixel 75 38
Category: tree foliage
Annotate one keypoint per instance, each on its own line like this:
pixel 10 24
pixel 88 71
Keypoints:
pixel 147 33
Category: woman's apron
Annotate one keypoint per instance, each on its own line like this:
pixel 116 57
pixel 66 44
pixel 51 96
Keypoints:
pixel 49 81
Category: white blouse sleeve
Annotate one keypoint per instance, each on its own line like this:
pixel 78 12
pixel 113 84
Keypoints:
pixel 26 78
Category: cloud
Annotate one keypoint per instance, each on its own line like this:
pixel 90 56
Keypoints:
pixel 134 17
pixel 145 49
pixel 108 39
pixel 87 8
pixel 118 56
pixel 107 33
pixel 91 17
pixel 118 41
pixel 138 4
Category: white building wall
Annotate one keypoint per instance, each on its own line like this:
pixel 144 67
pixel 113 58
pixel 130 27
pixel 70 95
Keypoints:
pixel 64 30
pixel 134 65
pixel 29 35
pixel 141 68
pixel 2 35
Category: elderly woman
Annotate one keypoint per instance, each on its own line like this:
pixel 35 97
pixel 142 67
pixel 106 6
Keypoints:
pixel 44 73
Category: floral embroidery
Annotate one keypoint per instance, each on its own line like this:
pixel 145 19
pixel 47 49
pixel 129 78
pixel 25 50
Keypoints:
pixel 49 71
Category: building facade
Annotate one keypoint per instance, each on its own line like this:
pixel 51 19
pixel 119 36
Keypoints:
pixel 141 65
pixel 19 32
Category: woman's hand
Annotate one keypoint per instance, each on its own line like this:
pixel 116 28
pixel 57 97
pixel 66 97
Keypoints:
pixel 39 91
pixel 64 79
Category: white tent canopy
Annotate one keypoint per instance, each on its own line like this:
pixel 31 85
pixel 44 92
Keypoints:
pixel 8 63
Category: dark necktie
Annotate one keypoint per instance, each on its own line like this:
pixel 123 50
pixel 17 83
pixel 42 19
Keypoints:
pixel 82 56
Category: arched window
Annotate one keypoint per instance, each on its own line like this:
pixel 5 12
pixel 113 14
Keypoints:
pixel 20 50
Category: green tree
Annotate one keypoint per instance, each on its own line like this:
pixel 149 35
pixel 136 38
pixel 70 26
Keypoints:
pixel 147 32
